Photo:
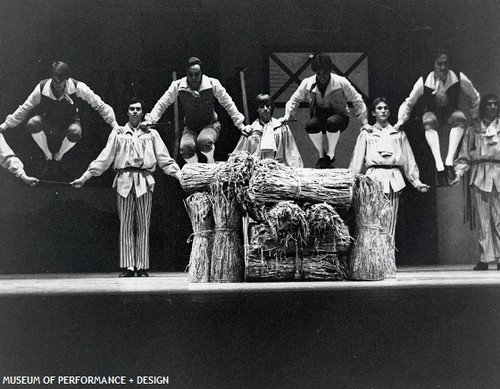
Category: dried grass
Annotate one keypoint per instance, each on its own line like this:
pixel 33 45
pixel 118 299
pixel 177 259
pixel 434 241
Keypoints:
pixel 227 263
pixel 327 230
pixel 373 251
pixel 199 209
pixel 273 181
pixel 324 267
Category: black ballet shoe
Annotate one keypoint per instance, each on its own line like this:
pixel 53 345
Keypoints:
pixel 127 273
pixel 142 273
pixel 481 266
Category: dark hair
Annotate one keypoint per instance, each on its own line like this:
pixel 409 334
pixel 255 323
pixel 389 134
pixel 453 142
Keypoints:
pixel 378 100
pixel 193 61
pixel 134 100
pixel 484 100
pixel 322 62
pixel 60 70
pixel 264 98
pixel 439 51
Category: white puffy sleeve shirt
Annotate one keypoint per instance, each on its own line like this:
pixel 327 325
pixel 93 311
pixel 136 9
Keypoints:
pixel 385 147
pixel 481 155
pixel 8 159
pixel 134 154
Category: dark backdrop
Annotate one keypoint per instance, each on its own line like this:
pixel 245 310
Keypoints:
pixel 121 47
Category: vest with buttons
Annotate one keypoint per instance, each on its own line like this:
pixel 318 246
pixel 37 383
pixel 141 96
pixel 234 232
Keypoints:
pixel 198 109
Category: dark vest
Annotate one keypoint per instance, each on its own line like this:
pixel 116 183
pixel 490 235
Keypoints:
pixel 198 111
pixel 452 93
pixel 60 110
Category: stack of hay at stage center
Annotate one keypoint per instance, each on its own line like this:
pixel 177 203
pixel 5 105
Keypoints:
pixel 275 248
pixel 326 255
pixel 199 209
pixel 227 262
pixel 272 182
pixel 373 251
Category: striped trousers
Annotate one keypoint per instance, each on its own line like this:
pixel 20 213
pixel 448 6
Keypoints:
pixel 487 206
pixel 393 197
pixel 135 218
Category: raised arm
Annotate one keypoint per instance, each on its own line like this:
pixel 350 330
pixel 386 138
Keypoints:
pixel 473 95
pixel 355 98
pixel 22 111
pixel 407 106
pixel 227 102
pixel 101 163
pixel 105 110
pixel 298 96
pixel 165 101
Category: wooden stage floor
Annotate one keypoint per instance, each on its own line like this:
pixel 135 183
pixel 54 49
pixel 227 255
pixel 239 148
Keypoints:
pixel 161 282
pixel 430 327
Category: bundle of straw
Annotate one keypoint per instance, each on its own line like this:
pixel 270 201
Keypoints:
pixel 373 250
pixel 266 258
pixel 263 267
pixel 327 230
pixel 257 210
pixel 273 181
pixel 324 267
pixel 236 171
pixel 227 258
pixel 288 223
pixel 289 226
pixel 198 176
pixel 199 209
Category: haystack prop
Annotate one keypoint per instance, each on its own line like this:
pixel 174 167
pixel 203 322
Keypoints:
pixel 275 248
pixel 372 255
pixel 198 176
pixel 266 258
pixel 325 267
pixel 329 241
pixel 273 181
pixel 236 171
pixel 199 209
pixel 227 262
pixel 328 232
